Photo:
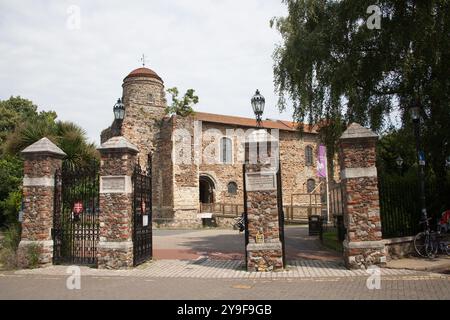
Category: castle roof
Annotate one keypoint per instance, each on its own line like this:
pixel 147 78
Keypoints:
pixel 143 72
pixel 250 122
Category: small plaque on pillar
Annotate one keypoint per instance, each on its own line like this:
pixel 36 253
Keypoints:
pixel 261 181
pixel 112 184
pixel 145 220
pixel 259 238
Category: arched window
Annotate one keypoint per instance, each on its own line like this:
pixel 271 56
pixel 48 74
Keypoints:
pixel 310 185
pixel 226 150
pixel 232 188
pixel 308 156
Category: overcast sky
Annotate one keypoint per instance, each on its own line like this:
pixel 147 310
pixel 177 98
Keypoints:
pixel 221 48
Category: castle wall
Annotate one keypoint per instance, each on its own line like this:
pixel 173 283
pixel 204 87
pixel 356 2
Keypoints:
pixel 295 173
pixel 143 117
pixel 223 174
pixel 176 175
pixel 292 155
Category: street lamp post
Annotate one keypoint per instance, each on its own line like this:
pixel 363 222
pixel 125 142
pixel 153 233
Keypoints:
pixel 119 110
pixel 415 115
pixel 258 104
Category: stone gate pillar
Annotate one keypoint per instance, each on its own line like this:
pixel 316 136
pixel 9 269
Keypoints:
pixel 41 160
pixel 264 248
pixel 115 248
pixel 363 244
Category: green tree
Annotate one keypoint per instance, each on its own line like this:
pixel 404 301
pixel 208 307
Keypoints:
pixel 20 126
pixel 70 137
pixel 184 106
pixel 335 70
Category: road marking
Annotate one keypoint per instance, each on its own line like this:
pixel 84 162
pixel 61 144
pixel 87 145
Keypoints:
pixel 241 286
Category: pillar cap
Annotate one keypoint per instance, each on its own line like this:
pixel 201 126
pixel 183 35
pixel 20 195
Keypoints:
pixel 118 144
pixel 357 131
pixel 44 146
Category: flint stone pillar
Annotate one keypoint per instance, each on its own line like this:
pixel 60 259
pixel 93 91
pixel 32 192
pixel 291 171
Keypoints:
pixel 363 245
pixel 41 160
pixel 115 248
pixel 264 249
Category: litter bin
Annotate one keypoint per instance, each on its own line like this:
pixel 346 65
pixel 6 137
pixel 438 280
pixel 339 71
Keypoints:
pixel 208 220
pixel 314 223
pixel 209 223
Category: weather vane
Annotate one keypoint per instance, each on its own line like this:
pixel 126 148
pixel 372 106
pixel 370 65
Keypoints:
pixel 143 60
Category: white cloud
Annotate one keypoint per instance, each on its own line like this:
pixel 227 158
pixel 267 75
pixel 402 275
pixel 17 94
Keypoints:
pixel 223 49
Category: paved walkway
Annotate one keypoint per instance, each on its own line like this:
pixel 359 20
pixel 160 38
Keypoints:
pixel 439 264
pixel 139 284
pixel 221 244
pixel 232 269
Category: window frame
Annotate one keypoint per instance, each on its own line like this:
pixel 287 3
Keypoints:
pixel 234 185
pixel 308 185
pixel 309 156
pixel 226 156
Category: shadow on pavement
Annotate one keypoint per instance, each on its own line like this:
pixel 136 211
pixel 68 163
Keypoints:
pixel 214 245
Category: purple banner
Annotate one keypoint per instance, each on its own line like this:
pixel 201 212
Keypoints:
pixel 322 162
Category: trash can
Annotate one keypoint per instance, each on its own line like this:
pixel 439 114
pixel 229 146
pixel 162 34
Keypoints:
pixel 208 220
pixel 315 224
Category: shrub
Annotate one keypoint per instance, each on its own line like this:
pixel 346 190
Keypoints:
pixel 8 259
pixel 11 237
pixel 28 257
pixel 33 252
pixel 8 247
pixel 9 208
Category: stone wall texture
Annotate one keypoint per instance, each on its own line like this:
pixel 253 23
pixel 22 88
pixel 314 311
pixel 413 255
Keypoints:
pixel 363 245
pixel 38 203
pixel 176 185
pixel 264 250
pixel 362 202
pixel 115 248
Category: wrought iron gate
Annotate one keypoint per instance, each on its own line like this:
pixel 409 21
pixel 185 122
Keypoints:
pixel 336 198
pixel 76 215
pixel 142 214
pixel 281 212
pixel 245 217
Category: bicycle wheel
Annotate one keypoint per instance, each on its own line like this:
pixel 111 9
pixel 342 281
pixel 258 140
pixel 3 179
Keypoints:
pixel 420 244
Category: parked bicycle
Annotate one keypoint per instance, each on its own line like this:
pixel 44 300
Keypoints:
pixel 429 243
pixel 239 223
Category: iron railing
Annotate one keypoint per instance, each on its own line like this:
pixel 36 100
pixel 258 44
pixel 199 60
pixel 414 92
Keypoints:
pixel 142 214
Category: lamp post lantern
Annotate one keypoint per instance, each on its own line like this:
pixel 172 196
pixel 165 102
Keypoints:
pixel 258 104
pixel 119 110
pixel 415 116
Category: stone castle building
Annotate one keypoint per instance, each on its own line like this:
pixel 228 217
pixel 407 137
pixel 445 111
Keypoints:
pixel 182 189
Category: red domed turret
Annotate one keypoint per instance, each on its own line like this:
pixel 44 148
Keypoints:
pixel 143 72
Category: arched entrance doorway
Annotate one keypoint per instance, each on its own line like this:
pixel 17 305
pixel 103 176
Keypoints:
pixel 206 191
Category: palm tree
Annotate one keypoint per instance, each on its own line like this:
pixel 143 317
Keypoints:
pixel 70 137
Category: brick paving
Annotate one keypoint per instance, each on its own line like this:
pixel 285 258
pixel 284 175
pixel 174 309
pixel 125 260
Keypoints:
pixel 203 271
pixel 231 269
pixel 221 244
pixel 414 286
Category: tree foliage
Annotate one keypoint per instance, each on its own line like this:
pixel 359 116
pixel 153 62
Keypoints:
pixel 182 107
pixel 20 126
pixel 335 70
